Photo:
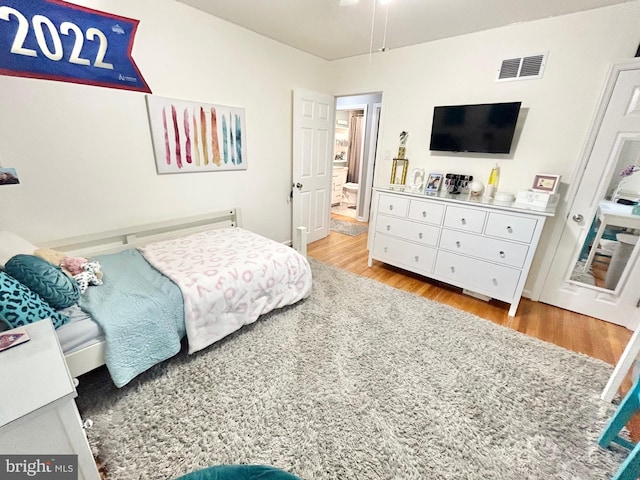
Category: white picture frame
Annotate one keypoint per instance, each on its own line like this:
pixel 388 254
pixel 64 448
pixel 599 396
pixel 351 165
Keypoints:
pixel 544 182
pixel 433 183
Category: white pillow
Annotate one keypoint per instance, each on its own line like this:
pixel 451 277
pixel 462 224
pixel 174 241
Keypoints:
pixel 12 244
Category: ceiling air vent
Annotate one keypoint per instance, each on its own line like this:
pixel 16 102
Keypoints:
pixel 522 68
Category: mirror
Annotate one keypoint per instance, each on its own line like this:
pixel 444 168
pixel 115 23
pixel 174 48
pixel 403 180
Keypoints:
pixel 614 231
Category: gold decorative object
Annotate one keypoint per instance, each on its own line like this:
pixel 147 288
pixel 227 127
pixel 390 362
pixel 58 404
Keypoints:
pixel 399 171
pixel 403 144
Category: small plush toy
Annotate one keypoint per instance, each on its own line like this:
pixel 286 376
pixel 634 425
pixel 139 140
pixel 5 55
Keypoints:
pixel 74 264
pixel 90 275
pixel 81 269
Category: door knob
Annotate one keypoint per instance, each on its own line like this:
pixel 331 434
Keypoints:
pixel 298 186
pixel 577 218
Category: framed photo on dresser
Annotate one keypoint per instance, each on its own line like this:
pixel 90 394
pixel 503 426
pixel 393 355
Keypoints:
pixel 543 182
pixel 433 183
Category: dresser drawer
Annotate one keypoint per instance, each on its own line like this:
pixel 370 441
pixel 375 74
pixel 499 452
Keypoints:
pixel 512 254
pixel 399 227
pixel 477 275
pixel 393 205
pixel 511 227
pixel 428 212
pixel 464 219
pixel 417 258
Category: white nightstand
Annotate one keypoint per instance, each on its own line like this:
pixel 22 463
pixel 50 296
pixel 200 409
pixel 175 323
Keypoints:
pixel 38 414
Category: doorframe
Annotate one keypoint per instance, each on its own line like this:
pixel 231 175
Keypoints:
pixel 564 207
pixel 371 162
pixel 363 107
pixel 373 148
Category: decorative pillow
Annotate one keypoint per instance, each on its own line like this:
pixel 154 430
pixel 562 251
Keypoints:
pixel 52 256
pixel 239 472
pixel 41 277
pixel 12 244
pixel 19 306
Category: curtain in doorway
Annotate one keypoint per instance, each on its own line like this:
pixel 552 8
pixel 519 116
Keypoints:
pixel 355 148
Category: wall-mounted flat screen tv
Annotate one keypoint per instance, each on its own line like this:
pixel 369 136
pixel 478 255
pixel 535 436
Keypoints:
pixel 483 128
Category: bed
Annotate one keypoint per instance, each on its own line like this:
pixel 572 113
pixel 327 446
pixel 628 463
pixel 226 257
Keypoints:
pixel 200 277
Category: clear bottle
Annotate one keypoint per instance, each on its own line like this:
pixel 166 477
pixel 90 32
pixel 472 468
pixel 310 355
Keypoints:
pixel 494 179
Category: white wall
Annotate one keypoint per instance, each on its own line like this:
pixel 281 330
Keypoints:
pixel 84 154
pixel 557 109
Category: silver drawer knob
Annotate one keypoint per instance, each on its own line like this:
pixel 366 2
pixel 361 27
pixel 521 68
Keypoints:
pixel 424 214
pixel 390 207
pixel 494 281
pixel 463 221
pixel 509 229
pixel 417 258
pixel 502 255
pixel 458 243
pixel 388 227
pixel 385 249
pixel 420 235
pixel 453 269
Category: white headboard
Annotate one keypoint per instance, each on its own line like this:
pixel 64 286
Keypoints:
pixel 117 240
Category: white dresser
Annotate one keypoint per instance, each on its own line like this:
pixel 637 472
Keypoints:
pixel 473 243
pixel 38 414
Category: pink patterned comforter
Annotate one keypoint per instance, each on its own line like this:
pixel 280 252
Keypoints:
pixel 228 278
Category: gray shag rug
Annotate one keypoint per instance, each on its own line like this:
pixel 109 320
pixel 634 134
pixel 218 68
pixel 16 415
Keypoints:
pixel 582 276
pixel 348 228
pixel 360 381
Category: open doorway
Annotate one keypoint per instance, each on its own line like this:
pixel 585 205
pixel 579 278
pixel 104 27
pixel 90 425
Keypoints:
pixel 356 138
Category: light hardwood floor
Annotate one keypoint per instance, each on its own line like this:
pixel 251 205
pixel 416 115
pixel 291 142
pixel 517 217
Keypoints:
pixel 570 330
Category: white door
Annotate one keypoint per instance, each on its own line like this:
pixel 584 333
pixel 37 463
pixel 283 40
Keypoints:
pixel 613 145
pixel 313 132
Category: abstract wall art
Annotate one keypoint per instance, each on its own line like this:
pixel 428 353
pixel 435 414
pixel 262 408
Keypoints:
pixel 196 137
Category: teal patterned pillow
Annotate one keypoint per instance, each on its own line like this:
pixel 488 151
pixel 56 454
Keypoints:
pixel 239 472
pixel 20 306
pixel 54 286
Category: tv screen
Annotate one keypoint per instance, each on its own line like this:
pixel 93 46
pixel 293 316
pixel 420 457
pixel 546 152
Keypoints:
pixel 484 128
